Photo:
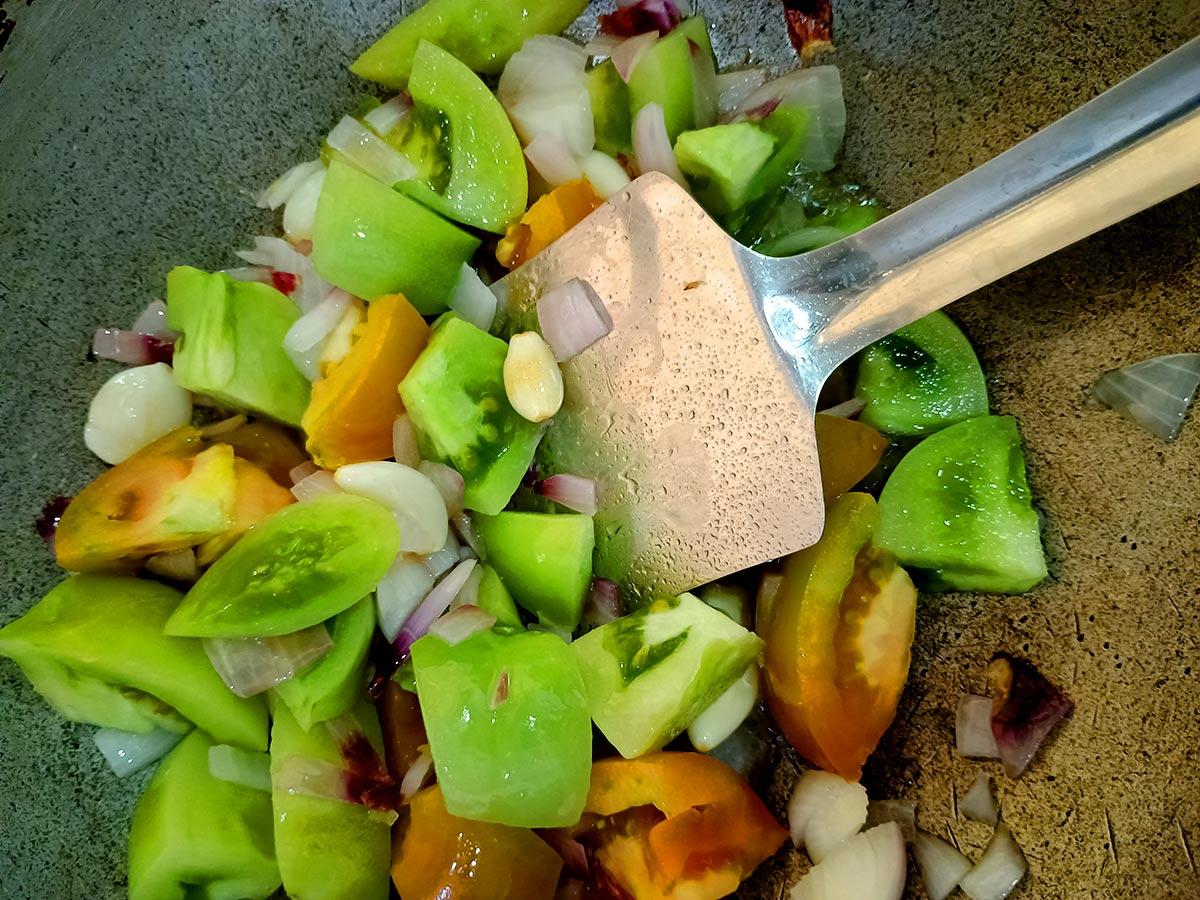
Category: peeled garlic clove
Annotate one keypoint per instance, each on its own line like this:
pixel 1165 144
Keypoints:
pixel 532 378
pixel 134 408
pixel 413 499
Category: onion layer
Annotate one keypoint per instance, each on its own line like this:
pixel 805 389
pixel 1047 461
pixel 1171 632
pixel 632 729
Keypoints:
pixel 436 603
pixel 473 300
pixel 940 865
pixel 571 318
pixel 238 766
pixel 1155 394
pixel 868 866
pixel 979 804
pixel 459 624
pixel 249 666
pixel 365 150
pixel 652 144
pixel 127 753
pixel 400 592
pixel 825 810
pixel 572 491
pixel 973 728
pixel 998 871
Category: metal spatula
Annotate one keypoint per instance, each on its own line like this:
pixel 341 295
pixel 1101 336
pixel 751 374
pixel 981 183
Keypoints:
pixel 696 413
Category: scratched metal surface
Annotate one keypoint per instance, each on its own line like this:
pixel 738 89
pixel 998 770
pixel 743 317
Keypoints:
pixel 131 133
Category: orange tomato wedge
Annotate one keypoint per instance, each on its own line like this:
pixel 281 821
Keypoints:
pixel 256 496
pixel 349 418
pixel 269 446
pixel 552 216
pixel 848 451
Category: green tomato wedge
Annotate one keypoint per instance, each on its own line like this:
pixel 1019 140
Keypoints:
pixel 650 673
pixel 610 109
pixel 94 648
pixel 920 379
pixel 195 836
pixel 488 184
pixel 957 512
pixel 508 726
pixel 371 240
pixel 330 687
pixel 493 597
pixel 722 161
pixel 327 849
pixel 303 565
pixel 482 35
pixel 666 75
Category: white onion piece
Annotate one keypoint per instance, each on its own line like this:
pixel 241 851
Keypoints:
pixel 448 482
pixel 533 381
pixel 443 560
pixel 365 150
pixel 153 321
pixel 979 804
pixel 817 89
pixel 404 442
pixel 300 214
pixel 386 116
pixel 249 666
pixel 135 408
pixel 418 772
pixel 605 174
pixel 318 484
pixel 867 866
pixel 825 810
pixel 572 491
pixel 544 90
pixel 902 812
pixel 652 144
pixel 127 753
pixel 298 473
pixel 400 592
pixel 940 865
pixel 973 728
pixel 303 340
pixel 473 300
pixel 338 344
pixel 468 594
pixel 734 87
pixel 551 158
pixel 459 624
pixel 178 565
pixel 276 253
pixel 847 409
pixel 258 274
pixel 318 778
pixel 726 713
pixel 705 90
pixel 238 766
pixel 470 536
pixel 571 318
pixel 128 347
pixel 436 603
pixel 627 54
pixel 413 500
pixel 998 871
pixel 280 190
pixel 1155 394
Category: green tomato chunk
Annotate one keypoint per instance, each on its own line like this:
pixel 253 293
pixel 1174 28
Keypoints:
pixel 508 726
pixel 95 649
pixel 195 836
pixel 666 75
pixel 301 566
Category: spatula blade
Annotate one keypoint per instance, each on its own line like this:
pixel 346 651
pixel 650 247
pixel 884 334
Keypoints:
pixel 703 449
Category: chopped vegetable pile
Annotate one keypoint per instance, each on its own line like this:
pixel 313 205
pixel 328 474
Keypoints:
pixel 332 583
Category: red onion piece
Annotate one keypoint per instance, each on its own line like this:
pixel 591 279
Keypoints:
pixel 473 300
pixel 998 871
pixel 315 485
pixel 652 144
pixel 153 321
pixel 571 318
pixel 602 45
pixel 249 666
pixel 572 491
pixel 552 159
pixel 459 624
pixel 574 854
pixel 1025 709
pixel 659 16
pixel 404 442
pixel 603 603
pixel 445 558
pixel 448 482
pixel 414 779
pixel 277 254
pixel 940 865
pixel 817 90
pixel 627 54
pixel 318 778
pixel 400 592
pixel 131 348
pixel 435 603
pixel 973 728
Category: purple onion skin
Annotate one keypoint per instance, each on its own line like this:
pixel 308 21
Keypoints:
pixel 1025 709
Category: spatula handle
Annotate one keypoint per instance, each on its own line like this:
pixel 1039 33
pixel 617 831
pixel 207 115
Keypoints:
pixel 1131 147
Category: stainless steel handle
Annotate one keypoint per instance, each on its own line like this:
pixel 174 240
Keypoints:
pixel 1131 147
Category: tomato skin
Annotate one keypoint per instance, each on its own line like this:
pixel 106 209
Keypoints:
pixel 838 641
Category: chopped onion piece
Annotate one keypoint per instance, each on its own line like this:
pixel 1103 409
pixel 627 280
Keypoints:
pixel 705 91
pixel 470 536
pixel 572 317
pixel 404 442
pixel 386 116
pixel 603 603
pixel 634 16
pixel 627 54
pixel 131 347
pixel 551 157
pixel 825 810
pixel 127 753
pixel 459 624
pixel 572 491
pixel 298 473
pixel 304 339
pixel 846 410
pixel 606 175
pixel 249 666
pixel 317 778
pixel 867 866
pixel 544 89
pixel 1025 709
pixel 819 91
pixel 902 812
pixel 733 88
pixel 532 380
pixel 277 254
pixel 468 595
pixel 940 865
pixel 400 592
pixel 973 728
pixel 153 321
pixel 413 500
pixel 652 145
pixel 1155 394
pixel 315 485
pixel 300 214
pixel 285 186
pixel 238 766
pixel 473 300
pixel 602 45
pixel 258 274
pixel 448 482
pixel 134 408
pixel 177 565
pixel 998 871
pixel 365 150
pixel 723 716
pixel 436 603
pixel 414 779
pixel 443 560
pixel 979 804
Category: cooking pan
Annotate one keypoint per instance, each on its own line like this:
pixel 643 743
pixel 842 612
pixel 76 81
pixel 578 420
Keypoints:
pixel 133 134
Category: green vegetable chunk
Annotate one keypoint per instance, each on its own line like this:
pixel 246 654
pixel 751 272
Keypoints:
pixel 920 379
pixel 95 649
pixel 455 397
pixel 488 184
pixel 493 597
pixel 610 109
pixel 327 849
pixel 482 35
pixel 335 682
pixel 195 836
pixel 370 240
pixel 666 75
pixel 722 162
pixel 650 673
pixel 508 726
pixel 957 512
pixel 301 566
pixel 545 559
pixel 231 343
